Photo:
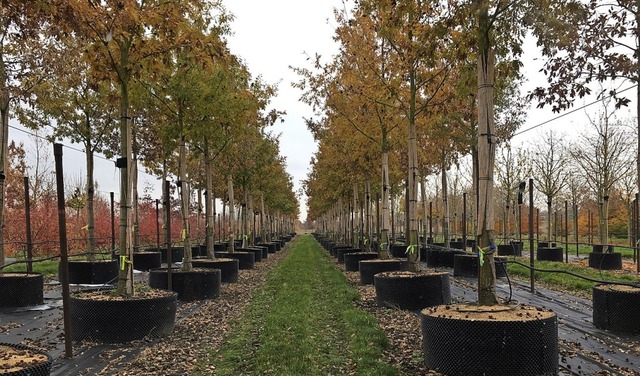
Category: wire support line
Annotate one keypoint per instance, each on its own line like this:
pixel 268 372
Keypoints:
pixel 571 112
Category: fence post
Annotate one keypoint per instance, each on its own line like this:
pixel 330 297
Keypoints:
pixel 27 215
pixel 64 261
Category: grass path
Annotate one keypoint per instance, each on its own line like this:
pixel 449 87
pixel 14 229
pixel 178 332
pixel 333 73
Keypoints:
pixel 303 322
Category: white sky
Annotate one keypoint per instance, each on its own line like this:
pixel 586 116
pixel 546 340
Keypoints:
pixel 272 35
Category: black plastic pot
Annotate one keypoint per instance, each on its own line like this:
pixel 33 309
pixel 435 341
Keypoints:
pixel 605 261
pixel 456 244
pixel 369 268
pixel 177 253
pixel 411 291
pixel 442 257
pixel 147 260
pixel 257 253
pixel 91 273
pixel 228 267
pixel 510 249
pixel 398 250
pixel 467 266
pixel 352 260
pixel 21 289
pixel 196 284
pixel 343 251
pixel 334 249
pixel 117 321
pixel 270 246
pixel 246 260
pixel 219 247
pixel 265 250
pixel 465 343
pixel 614 308
pixel 40 369
pixel 546 244
pixel 602 248
pixel 550 254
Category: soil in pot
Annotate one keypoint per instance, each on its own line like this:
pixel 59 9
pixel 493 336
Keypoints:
pixel 104 316
pixel 497 340
pixel 21 289
pixel 412 291
pixel 92 272
pixel 228 267
pixel 195 284
pixel 613 306
pixel 605 261
pixel 20 360
pixel 369 268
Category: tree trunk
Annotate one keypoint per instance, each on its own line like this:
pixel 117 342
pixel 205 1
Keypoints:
pixel 134 195
pixel 208 203
pixel 125 276
pixel 4 148
pixel 549 222
pixel 445 205
pixel 368 215
pixel 413 249
pixel 486 158
pixel 91 243
pixel 423 195
pixel 383 253
pixel 184 196
pixel 354 233
pixel 232 222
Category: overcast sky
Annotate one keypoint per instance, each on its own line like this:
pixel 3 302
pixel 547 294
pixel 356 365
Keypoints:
pixel 270 36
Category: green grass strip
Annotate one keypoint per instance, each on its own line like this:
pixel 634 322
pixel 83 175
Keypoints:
pixel 566 280
pixel 303 322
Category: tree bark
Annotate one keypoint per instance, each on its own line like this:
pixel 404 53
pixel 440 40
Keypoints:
pixel 383 253
pixel 91 243
pixel 232 230
pixel 486 158
pixel 184 196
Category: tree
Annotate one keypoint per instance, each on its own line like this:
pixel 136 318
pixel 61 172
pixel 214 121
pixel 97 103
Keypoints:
pixel 126 36
pixel 76 106
pixel 605 158
pixel 549 169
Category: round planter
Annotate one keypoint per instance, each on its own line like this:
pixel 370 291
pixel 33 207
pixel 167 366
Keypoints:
pixel 467 266
pixel 219 247
pixel 549 254
pixel 343 251
pixel 602 248
pixel 104 317
pixel 613 306
pixel 334 249
pixel 605 261
pixel 21 289
pixel 146 260
pixel 265 250
pixel 228 268
pixel 246 260
pixel 20 360
pixel 490 340
pixel 352 260
pixel 510 249
pixel 270 246
pixel 456 244
pixel 82 272
pixel 177 253
pixel 442 257
pixel 369 268
pixel 196 284
pixel 398 250
pixel 411 291
pixel 257 253
pixel 546 244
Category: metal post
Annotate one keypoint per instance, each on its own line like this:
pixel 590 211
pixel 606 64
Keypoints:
pixel 113 225
pixel 167 222
pixel 531 250
pixel 158 224
pixel 27 215
pixel 464 220
pixel 64 259
pixel 566 230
